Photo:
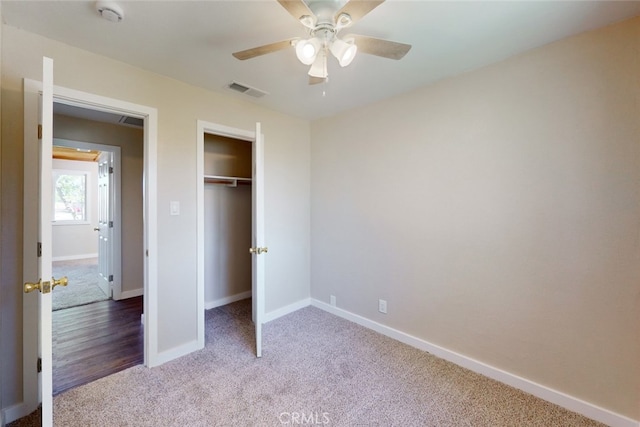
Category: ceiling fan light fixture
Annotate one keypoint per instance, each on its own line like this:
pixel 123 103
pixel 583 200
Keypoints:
pixel 324 19
pixel 307 50
pixel 343 51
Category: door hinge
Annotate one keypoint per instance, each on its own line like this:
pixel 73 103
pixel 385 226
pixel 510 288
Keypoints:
pixel 39 131
pixel 111 277
pixel 39 364
pixel 39 250
pixel 110 224
pixel 110 169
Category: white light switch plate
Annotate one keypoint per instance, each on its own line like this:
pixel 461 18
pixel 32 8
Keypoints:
pixel 174 208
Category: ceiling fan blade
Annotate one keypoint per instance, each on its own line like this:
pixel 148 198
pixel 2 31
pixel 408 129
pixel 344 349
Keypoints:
pixel 297 8
pixel 263 50
pixel 379 47
pixel 356 9
pixel 316 80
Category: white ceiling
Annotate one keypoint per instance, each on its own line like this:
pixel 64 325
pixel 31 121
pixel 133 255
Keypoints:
pixel 193 41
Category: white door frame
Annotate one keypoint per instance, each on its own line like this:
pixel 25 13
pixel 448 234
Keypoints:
pixel 114 201
pixel 62 95
pixel 204 127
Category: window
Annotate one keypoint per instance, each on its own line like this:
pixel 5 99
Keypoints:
pixel 70 197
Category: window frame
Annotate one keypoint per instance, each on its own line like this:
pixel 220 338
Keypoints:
pixel 87 196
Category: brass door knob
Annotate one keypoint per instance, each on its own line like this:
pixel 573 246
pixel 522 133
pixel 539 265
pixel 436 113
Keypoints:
pixel 45 287
pixel 30 287
pixel 63 281
pixel 258 251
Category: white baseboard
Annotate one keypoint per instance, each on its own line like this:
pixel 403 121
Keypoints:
pixel 131 294
pixel 273 315
pixel 15 412
pixel 73 257
pixel 226 300
pixel 174 353
pixel 559 398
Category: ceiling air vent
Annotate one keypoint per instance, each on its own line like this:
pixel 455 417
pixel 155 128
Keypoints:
pixel 132 121
pixel 247 90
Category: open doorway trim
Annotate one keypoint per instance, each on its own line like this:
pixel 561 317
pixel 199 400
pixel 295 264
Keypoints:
pixel 114 200
pixel 32 90
pixel 204 127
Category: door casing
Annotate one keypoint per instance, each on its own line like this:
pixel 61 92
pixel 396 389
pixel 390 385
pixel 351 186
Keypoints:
pixel 204 127
pixel 114 202
pixel 32 90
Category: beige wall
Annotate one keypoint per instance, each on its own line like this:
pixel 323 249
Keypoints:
pixel 11 194
pixel 179 107
pixel 498 214
pixel 130 141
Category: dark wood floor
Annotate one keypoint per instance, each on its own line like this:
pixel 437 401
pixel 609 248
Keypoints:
pixel 95 340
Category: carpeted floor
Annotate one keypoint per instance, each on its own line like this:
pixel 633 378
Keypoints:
pixel 83 283
pixel 316 368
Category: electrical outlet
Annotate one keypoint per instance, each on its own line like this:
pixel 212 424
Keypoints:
pixel 333 300
pixel 382 306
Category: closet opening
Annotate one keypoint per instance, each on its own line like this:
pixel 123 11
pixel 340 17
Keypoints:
pixel 227 220
pixel 231 259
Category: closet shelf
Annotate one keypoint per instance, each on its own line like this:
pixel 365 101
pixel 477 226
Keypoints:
pixel 229 181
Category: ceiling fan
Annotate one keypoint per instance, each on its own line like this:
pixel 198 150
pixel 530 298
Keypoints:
pixel 324 19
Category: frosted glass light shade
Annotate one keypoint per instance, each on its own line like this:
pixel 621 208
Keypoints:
pixel 319 66
pixel 307 50
pixel 343 51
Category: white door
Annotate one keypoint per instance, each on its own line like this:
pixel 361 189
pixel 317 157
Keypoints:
pixel 46 283
pixel 258 248
pixel 105 223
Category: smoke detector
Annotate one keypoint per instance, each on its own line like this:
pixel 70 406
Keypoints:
pixel 110 11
